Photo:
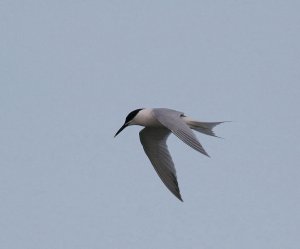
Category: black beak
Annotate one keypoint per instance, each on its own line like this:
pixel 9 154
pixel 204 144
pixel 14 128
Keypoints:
pixel 121 129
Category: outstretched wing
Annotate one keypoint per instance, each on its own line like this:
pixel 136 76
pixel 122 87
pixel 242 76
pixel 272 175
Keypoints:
pixel 155 147
pixel 172 120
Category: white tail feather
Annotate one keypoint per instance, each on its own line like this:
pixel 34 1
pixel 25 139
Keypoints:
pixel 203 127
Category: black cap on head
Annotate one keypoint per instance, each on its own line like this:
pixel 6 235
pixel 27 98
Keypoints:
pixel 129 117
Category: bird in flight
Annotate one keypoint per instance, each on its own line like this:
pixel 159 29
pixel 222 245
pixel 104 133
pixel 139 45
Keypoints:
pixel 159 123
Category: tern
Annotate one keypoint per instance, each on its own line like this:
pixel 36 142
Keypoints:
pixel 159 123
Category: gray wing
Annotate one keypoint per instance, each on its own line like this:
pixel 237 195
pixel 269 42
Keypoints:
pixel 155 147
pixel 172 120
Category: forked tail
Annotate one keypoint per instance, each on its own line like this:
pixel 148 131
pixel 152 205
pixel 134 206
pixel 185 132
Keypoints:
pixel 203 127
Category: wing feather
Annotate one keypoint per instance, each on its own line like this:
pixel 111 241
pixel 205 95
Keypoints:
pixel 173 120
pixel 155 147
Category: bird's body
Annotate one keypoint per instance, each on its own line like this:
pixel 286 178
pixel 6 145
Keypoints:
pixel 146 118
pixel 159 123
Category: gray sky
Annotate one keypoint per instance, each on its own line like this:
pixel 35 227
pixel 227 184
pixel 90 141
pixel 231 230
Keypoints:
pixel 70 71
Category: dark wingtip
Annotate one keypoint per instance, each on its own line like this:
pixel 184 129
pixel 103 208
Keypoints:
pixel 205 153
pixel 178 195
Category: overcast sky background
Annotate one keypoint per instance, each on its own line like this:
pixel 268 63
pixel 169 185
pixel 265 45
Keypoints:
pixel 70 72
